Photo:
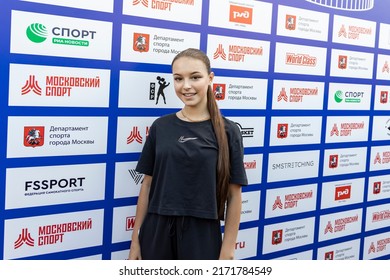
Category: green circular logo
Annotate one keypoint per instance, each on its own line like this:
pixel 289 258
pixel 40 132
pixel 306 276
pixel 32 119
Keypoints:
pixel 36 32
pixel 338 96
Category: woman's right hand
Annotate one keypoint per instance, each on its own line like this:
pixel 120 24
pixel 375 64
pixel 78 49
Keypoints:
pixel 135 251
pixel 141 211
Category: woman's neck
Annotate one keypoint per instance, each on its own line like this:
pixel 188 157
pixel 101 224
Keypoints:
pixel 194 115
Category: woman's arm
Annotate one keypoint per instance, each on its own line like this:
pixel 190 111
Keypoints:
pixel 141 210
pixel 233 214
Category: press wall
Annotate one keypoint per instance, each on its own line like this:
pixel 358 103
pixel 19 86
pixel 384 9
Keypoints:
pixel 306 81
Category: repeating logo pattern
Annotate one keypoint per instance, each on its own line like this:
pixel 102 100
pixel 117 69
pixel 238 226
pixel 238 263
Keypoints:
pixel 274 74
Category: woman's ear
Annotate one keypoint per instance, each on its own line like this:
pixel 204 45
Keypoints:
pixel 211 76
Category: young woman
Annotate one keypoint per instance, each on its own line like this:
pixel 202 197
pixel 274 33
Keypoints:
pixel 193 166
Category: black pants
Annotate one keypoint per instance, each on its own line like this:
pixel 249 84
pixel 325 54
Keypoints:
pixel 179 238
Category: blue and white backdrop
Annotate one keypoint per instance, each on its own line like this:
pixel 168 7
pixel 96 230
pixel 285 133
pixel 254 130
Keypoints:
pixel 306 81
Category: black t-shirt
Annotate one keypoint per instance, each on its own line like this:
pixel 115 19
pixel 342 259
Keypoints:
pixel 182 159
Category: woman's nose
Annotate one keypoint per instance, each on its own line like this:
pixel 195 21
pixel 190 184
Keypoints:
pixel 187 83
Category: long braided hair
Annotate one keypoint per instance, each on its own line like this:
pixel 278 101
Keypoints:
pixel 223 163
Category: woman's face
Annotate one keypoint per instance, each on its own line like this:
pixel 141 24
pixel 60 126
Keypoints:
pixel 191 81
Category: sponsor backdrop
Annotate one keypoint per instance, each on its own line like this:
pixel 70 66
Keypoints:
pixel 306 81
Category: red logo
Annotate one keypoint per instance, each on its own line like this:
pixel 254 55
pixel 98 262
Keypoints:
pixel 141 42
pixel 343 61
pixel 34 136
pixel 240 14
pixel 385 67
pixel 372 248
pixel 277 236
pixel 333 161
pixel 328 228
pixel 278 203
pixel 282 130
pixel 31 85
pixel 219 91
pixel 291 22
pixel 250 164
pixel 130 221
pixel 377 187
pixel 24 238
pixel 384 96
pixel 301 59
pixel 143 2
pixel 329 255
pixel 343 192
pixel 220 52
pixel 134 135
pixel 282 95
pixel 343 32
pixel 334 131
pixel 240 245
pixel 377 159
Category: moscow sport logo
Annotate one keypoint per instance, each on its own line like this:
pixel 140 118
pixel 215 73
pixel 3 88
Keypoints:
pixel 36 32
pixel 24 238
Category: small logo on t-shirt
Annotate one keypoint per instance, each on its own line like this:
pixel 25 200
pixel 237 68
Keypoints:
pixel 183 139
